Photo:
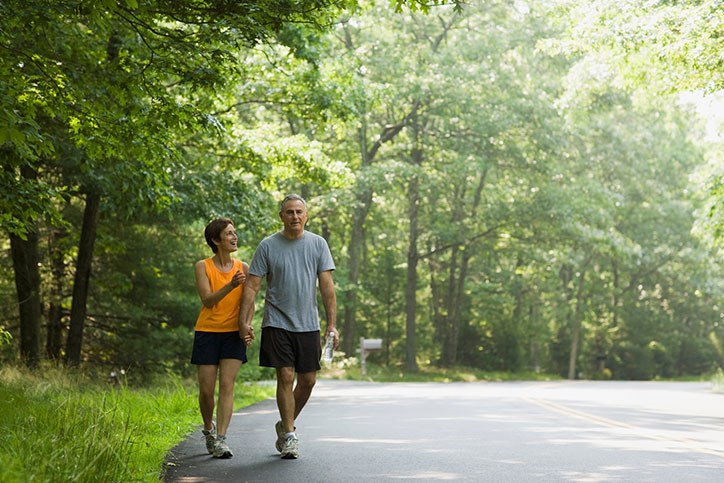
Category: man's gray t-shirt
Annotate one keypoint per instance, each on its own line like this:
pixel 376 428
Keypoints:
pixel 291 268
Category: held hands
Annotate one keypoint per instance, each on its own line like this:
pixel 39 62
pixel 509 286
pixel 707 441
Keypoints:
pixel 246 332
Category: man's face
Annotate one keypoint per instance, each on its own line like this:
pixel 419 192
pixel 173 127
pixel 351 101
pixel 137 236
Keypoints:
pixel 294 216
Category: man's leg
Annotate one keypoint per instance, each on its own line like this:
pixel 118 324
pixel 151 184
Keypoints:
pixel 287 443
pixel 285 397
pixel 302 391
pixel 228 369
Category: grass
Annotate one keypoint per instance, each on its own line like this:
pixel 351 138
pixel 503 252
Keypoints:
pixel 58 426
pixel 430 374
pixel 717 381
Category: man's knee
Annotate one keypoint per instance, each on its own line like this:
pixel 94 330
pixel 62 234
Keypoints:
pixel 307 380
pixel 285 376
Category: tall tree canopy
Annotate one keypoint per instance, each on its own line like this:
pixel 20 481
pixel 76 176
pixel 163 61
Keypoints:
pixel 504 185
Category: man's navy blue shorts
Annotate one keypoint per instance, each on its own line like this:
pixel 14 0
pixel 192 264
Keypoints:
pixel 282 348
pixel 211 347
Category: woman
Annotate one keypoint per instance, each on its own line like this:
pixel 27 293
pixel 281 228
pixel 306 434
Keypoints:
pixel 218 348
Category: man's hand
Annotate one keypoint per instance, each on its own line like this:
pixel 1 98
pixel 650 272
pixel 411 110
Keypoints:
pixel 246 332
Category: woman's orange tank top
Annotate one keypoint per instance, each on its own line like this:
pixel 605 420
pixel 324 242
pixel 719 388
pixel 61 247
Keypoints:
pixel 224 316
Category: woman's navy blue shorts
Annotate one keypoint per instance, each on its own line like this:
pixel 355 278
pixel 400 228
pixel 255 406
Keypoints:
pixel 211 347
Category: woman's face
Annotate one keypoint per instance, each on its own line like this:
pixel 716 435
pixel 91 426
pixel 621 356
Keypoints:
pixel 227 239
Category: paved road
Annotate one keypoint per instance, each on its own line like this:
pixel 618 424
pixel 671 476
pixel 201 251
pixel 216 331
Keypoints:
pixel 484 432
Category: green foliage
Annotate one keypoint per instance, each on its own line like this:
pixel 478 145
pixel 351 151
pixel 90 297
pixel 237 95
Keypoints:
pixel 378 373
pixel 668 45
pixel 584 215
pixel 92 432
pixel 5 337
pixel 718 381
pixel 658 46
pixel 423 5
pixel 552 171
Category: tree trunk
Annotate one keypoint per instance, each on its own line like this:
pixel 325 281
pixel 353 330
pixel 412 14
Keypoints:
pixel 458 273
pixel 27 283
pixel 82 278
pixel 54 339
pixel 413 199
pixel 615 290
pixel 356 242
pixel 448 335
pixel 534 343
pixel 576 327
pixel 360 210
pixel 516 320
pixel 411 286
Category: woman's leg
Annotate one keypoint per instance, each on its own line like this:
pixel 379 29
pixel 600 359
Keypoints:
pixel 207 385
pixel 228 369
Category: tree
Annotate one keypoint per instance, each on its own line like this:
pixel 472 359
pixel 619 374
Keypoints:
pixel 106 111
pixel 663 46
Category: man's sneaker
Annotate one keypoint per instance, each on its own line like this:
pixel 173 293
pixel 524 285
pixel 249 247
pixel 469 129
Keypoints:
pixel 210 439
pixel 279 428
pixel 222 449
pixel 290 448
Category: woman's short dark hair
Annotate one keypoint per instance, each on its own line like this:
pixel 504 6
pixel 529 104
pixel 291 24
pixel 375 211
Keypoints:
pixel 213 231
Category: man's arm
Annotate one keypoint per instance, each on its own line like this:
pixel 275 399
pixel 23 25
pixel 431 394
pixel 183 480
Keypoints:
pixel 329 299
pixel 246 312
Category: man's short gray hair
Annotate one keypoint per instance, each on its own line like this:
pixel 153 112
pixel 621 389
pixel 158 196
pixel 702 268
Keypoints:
pixel 290 198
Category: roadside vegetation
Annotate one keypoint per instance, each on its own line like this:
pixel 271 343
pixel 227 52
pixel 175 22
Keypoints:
pixel 59 425
pixel 717 381
pixel 381 373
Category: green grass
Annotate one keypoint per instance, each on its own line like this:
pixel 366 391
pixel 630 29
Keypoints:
pixel 431 374
pixel 717 381
pixel 57 426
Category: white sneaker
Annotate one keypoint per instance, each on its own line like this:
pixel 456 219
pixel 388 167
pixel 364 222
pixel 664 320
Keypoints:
pixel 210 438
pixel 222 449
pixel 279 428
pixel 290 449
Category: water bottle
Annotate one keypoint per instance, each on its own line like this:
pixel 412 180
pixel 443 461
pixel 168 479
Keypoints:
pixel 328 348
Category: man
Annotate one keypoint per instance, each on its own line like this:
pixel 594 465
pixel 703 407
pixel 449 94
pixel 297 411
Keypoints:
pixel 293 261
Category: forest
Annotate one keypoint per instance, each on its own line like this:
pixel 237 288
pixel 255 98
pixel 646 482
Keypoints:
pixel 506 185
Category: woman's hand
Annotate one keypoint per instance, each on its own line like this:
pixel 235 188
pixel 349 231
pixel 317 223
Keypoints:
pixel 246 332
pixel 238 279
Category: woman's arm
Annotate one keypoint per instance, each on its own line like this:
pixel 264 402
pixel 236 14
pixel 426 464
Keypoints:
pixel 209 298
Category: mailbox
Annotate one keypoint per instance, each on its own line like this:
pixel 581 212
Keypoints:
pixel 372 344
pixel 365 346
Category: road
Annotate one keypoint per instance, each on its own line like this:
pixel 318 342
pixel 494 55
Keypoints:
pixel 570 431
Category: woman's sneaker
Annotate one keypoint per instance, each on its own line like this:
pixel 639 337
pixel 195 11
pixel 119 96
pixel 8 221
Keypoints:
pixel 290 449
pixel 222 449
pixel 210 437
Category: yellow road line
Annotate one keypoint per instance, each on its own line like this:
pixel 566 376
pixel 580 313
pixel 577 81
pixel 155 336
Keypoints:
pixel 611 423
